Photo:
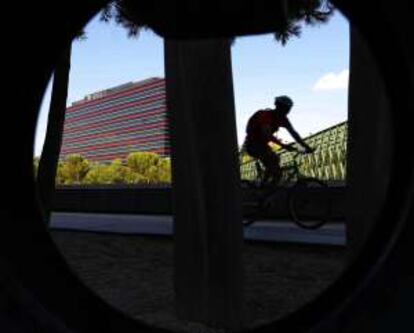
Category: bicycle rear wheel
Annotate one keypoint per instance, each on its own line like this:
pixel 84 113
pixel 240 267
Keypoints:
pixel 309 203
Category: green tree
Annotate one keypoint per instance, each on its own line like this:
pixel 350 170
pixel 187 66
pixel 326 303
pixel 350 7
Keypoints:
pixel 160 172
pixel 121 174
pixel 74 169
pixel 114 173
pixel 164 170
pixel 141 162
pixel 60 177
pixel 97 174
pixel 309 12
pixel 135 178
pixel 150 166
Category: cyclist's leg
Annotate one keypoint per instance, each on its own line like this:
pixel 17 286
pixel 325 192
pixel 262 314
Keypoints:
pixel 277 170
pixel 256 151
pixel 271 161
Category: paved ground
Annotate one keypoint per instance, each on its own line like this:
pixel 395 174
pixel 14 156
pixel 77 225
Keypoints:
pixel 282 231
pixel 134 274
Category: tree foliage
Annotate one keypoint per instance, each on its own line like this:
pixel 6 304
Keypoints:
pixel 129 14
pixel 120 11
pixel 150 165
pixel 114 173
pixel 139 168
pixel 74 169
pixel 309 12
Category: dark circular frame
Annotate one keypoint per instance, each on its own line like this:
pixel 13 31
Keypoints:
pixel 42 286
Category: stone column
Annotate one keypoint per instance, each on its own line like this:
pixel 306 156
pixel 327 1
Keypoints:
pixel 369 145
pixel 206 192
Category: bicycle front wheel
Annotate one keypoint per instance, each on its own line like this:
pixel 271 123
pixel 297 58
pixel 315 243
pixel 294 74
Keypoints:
pixel 310 203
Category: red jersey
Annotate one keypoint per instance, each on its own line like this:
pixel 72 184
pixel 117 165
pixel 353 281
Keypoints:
pixel 262 119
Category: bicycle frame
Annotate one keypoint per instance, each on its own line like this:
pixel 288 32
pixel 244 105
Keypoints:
pixel 292 171
pixel 294 183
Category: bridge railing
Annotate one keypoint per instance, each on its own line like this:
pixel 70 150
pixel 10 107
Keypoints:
pixel 324 165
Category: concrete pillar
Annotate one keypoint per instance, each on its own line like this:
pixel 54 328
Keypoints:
pixel 369 145
pixel 206 193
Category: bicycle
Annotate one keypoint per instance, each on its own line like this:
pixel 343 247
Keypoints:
pixel 309 205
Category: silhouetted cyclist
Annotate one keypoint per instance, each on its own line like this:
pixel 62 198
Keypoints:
pixel 260 131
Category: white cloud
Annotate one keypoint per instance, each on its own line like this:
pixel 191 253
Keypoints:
pixel 333 81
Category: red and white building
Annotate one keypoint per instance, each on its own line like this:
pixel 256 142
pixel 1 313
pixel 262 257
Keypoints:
pixel 112 123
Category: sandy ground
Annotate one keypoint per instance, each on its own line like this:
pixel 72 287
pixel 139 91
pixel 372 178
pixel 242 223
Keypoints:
pixel 134 274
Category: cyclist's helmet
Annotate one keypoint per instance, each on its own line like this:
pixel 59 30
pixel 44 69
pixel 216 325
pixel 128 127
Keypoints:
pixel 283 101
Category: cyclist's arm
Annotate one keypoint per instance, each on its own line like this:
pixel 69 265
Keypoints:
pixel 296 136
pixel 280 143
pixel 268 135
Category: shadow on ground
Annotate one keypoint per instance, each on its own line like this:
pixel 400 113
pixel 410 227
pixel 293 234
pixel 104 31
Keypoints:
pixel 134 274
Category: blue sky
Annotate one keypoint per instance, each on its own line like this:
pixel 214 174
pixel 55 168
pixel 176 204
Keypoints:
pixel 312 70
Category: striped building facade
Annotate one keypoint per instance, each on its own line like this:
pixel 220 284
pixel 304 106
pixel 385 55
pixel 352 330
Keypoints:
pixel 112 123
